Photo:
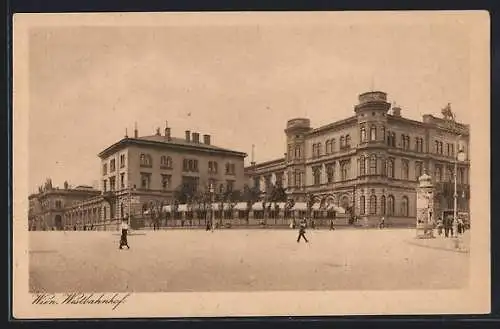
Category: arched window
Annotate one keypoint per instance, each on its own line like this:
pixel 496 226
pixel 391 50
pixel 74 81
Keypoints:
pixel 319 149
pixel 373 164
pixel 347 141
pixel 342 145
pixel 389 138
pixel 297 152
pixel 390 168
pixel 373 133
pixel 382 204
pixel 383 133
pixel 328 146
pixel 390 205
pixel 143 159
pixel 362 205
pixel 362 166
pixel 333 146
pixel 404 206
pixel 393 140
pixel 363 133
pixel 373 204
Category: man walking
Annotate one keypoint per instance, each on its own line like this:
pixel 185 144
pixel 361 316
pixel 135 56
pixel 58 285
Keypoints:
pixel 302 231
pixel 123 238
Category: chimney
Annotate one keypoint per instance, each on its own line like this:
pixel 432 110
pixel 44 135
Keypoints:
pixel 158 132
pixel 206 139
pixel 188 136
pixel 396 111
pixel 196 137
pixel 136 132
pixel 167 131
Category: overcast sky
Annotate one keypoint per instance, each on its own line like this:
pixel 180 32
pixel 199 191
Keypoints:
pixel 240 82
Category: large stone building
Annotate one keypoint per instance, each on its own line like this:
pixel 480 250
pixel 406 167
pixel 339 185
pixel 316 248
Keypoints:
pixel 48 207
pixel 370 162
pixel 137 171
pixel 140 170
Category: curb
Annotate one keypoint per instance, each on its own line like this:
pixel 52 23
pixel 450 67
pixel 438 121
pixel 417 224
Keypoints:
pixel 461 251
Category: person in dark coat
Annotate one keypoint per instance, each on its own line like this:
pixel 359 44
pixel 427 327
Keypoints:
pixel 302 231
pixel 123 238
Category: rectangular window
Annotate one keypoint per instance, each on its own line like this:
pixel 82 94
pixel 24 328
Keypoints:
pixel 104 169
pixel 438 172
pixel 418 170
pixel 122 180
pixel 279 179
pixel 330 172
pixel 105 185
pixel 230 185
pixel 404 169
pixel 112 165
pixel 317 175
pixel 122 160
pixel 145 180
pixel 166 181
pixel 112 183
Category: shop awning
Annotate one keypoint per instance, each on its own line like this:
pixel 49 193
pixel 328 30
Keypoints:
pixel 167 208
pixel 241 206
pixel 257 206
pixel 182 208
pixel 300 206
pixel 316 206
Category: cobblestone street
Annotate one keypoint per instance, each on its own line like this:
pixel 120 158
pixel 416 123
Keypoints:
pixel 240 260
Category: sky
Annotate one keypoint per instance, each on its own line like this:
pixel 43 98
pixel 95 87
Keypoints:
pixel 238 80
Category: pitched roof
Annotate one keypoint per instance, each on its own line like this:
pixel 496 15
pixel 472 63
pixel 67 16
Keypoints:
pixel 160 140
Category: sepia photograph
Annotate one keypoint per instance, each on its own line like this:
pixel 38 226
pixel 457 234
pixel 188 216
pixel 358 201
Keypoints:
pixel 251 164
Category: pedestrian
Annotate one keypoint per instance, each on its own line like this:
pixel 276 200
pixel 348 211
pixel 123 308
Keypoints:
pixel 332 228
pixel 207 228
pixel 381 225
pixel 302 231
pixel 123 238
pixel 448 227
pixel 440 226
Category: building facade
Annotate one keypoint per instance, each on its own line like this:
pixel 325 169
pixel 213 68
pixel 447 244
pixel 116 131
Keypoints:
pixel 48 207
pixel 370 162
pixel 140 170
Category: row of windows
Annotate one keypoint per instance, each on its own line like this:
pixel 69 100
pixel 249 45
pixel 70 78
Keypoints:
pixel 112 165
pixel 146 160
pixel 438 148
pixel 330 146
pixel 373 133
pixel 345 167
pixel 450 174
pixel 387 206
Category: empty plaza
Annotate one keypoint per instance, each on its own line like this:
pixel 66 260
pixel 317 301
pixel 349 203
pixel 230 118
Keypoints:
pixel 241 260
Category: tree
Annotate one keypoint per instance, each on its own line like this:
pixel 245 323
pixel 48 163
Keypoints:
pixel 184 192
pixel 250 195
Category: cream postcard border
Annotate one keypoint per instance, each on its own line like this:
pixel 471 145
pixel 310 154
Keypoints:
pixel 474 299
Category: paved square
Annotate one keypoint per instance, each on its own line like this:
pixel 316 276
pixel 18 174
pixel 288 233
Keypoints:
pixel 240 260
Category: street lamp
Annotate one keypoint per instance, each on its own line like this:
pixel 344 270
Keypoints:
pixel 460 157
pixel 212 194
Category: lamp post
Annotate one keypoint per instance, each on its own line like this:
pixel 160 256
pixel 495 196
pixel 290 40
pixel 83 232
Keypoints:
pixel 212 194
pixel 460 157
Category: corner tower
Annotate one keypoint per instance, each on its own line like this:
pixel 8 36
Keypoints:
pixel 296 135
